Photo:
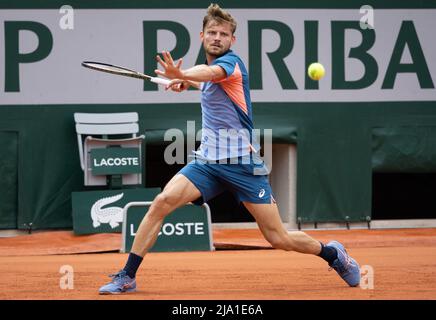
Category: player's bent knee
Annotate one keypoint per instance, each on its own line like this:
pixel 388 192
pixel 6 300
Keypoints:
pixel 164 202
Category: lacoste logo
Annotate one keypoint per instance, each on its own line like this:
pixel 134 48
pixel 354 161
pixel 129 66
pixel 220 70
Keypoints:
pixel 111 215
pixel 261 193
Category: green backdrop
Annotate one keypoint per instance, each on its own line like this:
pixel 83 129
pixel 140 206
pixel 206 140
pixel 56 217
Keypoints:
pixel 339 145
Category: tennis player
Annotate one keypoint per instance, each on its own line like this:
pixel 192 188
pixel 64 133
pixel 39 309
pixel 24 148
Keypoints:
pixel 219 165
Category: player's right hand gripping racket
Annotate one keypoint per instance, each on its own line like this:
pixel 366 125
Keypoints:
pixel 123 72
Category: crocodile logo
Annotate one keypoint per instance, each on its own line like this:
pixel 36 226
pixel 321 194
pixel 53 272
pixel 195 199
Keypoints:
pixel 111 215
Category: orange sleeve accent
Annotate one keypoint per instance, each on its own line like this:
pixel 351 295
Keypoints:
pixel 234 88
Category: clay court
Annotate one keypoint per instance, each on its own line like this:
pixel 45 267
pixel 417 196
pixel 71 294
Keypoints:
pixel 243 267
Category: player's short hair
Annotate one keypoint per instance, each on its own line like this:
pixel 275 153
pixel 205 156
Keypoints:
pixel 215 13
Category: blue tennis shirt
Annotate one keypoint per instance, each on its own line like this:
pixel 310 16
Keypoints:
pixel 227 129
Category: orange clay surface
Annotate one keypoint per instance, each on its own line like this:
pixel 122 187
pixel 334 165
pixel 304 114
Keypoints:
pixel 403 263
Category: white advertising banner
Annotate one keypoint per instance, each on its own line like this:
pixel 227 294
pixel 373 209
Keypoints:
pixel 392 58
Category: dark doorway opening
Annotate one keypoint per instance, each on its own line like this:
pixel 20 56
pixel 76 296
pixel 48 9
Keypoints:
pixel 9 182
pixel 403 196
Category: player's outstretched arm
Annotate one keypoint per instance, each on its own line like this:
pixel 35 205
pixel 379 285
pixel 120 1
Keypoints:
pixel 198 73
pixel 204 73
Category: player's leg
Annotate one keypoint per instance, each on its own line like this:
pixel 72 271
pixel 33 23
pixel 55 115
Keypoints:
pixel 248 181
pixel 178 192
pixel 268 218
pixel 195 182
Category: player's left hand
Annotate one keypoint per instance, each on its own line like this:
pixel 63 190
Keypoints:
pixel 178 85
pixel 171 70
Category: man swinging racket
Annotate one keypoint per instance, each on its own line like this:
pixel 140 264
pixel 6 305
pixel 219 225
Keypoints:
pixel 225 103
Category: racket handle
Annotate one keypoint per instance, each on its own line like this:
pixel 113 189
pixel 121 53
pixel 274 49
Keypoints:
pixel 161 81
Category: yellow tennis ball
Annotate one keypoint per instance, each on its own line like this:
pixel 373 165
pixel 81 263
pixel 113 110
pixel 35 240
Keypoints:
pixel 316 71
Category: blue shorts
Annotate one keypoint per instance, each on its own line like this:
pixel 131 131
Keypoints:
pixel 246 180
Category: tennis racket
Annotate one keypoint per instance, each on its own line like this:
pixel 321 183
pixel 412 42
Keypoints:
pixel 104 67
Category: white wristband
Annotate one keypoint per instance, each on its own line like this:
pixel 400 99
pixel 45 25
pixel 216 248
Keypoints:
pixel 161 81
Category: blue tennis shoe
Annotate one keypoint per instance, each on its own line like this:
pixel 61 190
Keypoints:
pixel 120 283
pixel 347 268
